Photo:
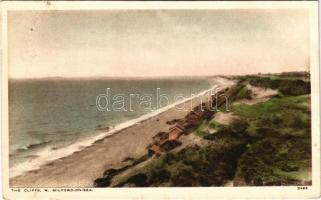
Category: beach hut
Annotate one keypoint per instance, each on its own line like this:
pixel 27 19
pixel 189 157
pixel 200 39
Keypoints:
pixel 175 132
pixel 192 116
pixel 199 110
pixel 192 119
pixel 154 149
pixel 170 144
pixel 160 136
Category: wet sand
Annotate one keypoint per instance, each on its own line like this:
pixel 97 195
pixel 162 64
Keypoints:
pixel 81 168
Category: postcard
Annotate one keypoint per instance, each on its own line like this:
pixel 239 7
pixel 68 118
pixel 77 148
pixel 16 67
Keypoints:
pixel 160 100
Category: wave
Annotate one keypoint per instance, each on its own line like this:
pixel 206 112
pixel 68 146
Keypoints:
pixel 32 146
pixel 50 154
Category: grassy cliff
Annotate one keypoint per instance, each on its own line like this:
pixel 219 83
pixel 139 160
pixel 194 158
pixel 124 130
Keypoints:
pixel 268 144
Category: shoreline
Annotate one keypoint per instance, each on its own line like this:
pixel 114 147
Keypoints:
pixel 129 139
pixel 49 154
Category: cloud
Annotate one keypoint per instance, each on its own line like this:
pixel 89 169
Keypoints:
pixel 156 42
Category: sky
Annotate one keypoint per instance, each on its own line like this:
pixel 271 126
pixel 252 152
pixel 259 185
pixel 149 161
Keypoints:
pixel 149 43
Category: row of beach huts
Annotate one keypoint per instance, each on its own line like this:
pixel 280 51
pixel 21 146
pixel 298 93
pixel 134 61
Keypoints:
pixel 166 141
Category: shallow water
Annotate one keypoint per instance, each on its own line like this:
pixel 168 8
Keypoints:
pixel 52 115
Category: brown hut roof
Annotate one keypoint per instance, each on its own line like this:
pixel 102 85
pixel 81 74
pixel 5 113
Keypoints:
pixel 174 133
pixel 156 149
pixel 177 126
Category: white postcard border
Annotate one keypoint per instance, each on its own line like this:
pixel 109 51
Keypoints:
pixel 170 193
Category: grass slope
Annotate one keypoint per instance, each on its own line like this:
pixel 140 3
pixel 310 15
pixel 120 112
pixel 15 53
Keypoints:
pixel 270 143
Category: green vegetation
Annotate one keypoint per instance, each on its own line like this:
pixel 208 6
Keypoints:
pixel 288 86
pixel 202 129
pixel 270 143
pixel 280 133
pixel 244 93
pixel 208 166
pixel 207 128
pixel 286 116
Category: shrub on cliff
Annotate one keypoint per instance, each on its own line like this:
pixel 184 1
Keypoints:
pixel 287 86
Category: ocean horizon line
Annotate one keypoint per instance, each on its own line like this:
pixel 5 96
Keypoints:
pixel 51 155
pixel 146 77
pixel 116 77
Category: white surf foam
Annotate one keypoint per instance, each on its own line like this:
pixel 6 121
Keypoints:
pixel 48 154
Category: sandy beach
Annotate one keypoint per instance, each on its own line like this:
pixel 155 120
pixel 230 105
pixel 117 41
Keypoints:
pixel 81 168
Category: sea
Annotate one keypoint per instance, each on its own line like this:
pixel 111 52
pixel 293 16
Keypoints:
pixel 52 118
